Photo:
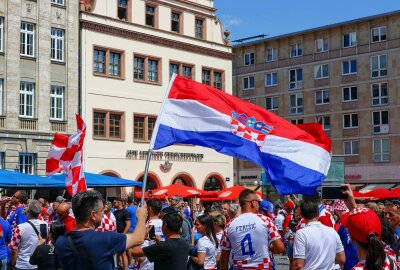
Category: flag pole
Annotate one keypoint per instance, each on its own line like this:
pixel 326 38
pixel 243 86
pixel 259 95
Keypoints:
pixel 153 138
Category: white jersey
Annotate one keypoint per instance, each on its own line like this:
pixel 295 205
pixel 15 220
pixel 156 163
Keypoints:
pixel 209 248
pixel 248 237
pixel 157 223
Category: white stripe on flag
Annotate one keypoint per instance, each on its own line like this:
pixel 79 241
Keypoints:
pixel 55 152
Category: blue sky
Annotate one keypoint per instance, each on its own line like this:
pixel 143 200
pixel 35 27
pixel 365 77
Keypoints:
pixel 245 18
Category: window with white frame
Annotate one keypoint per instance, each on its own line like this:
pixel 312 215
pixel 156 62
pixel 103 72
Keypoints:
pixel 351 148
pixel 248 83
pixel 321 45
pixel 57 102
pixel 349 94
pixel 379 94
pixel 381 150
pixel 380 122
pixel 296 50
pixel 248 59
pixel 57 44
pixel 296 103
pixel 321 97
pixel 27 39
pixel 350 120
pixel 26 99
pixel 27 163
pixel 1 33
pixel 378 66
pixel 1 96
pixel 2 160
pixel 272 54
pixel 378 34
pixel 297 121
pixel 324 121
pixel 272 103
pixel 349 40
pixel 271 79
pixel 321 71
pixel 295 78
pixel 58 2
pixel 349 67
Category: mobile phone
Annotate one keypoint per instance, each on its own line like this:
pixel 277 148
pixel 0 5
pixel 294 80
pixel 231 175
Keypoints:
pixel 152 233
pixel 333 192
pixel 150 193
pixel 43 231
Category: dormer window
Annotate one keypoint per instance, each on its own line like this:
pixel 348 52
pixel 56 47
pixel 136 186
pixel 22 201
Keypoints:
pixel 123 10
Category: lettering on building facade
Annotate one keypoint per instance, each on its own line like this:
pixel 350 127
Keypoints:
pixel 170 156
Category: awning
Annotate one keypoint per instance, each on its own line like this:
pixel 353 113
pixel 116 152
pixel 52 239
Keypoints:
pixel 371 187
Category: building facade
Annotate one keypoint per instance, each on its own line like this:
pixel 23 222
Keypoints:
pixel 129 50
pixel 343 76
pixel 39 43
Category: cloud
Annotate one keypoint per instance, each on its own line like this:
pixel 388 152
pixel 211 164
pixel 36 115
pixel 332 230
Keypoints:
pixel 229 20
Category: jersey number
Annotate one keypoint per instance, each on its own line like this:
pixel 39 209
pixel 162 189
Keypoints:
pixel 247 239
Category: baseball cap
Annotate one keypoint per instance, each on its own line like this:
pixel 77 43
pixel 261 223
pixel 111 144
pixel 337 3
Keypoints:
pixel 289 205
pixel 60 199
pixel 361 222
pixel 169 210
pixel 266 206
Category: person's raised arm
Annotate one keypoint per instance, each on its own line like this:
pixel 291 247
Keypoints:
pixel 137 237
pixel 348 193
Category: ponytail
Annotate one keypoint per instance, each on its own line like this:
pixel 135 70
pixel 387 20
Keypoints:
pixel 376 255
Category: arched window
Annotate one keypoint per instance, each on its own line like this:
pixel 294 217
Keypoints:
pixel 213 184
pixel 151 182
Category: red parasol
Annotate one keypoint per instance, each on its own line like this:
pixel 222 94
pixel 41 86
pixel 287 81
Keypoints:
pixel 229 194
pixel 176 189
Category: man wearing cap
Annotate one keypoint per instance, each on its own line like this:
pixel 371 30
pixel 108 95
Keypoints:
pixel 288 206
pixel 316 246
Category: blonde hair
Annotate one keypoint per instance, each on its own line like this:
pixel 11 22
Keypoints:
pixel 218 218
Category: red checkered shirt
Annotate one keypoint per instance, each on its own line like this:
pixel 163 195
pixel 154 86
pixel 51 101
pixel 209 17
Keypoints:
pixel 107 225
pixel 14 221
pixel 386 265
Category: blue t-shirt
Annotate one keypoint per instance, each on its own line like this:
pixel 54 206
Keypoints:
pixel 349 248
pixel 132 212
pixel 18 215
pixel 95 248
pixel 5 239
pixel 398 231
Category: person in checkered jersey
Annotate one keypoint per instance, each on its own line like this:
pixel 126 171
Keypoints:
pixel 248 237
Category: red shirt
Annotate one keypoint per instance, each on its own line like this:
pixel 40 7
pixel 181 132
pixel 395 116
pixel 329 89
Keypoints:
pixel 288 218
pixel 70 223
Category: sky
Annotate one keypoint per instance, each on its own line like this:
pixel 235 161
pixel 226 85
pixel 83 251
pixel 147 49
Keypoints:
pixel 246 18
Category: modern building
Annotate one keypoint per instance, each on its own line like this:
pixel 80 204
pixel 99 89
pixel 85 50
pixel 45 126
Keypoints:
pixel 129 50
pixel 344 76
pixel 39 42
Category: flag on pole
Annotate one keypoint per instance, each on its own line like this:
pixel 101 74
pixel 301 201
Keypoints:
pixel 296 158
pixel 66 155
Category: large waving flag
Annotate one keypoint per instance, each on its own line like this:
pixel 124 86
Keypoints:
pixel 296 158
pixel 66 155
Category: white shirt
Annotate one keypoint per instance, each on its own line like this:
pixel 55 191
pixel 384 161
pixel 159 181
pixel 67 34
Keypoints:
pixel 279 221
pixel 204 245
pixel 157 223
pixel 317 245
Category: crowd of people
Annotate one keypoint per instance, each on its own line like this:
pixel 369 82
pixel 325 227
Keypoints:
pixel 91 233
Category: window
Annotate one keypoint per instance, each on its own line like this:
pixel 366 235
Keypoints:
pixel 349 40
pixel 349 67
pixel 321 97
pixel 1 34
pixel 248 83
pixel 27 39
pixel 27 163
pixel 296 50
pixel 214 78
pixel 199 28
pixel 108 125
pixel 150 16
pixel 297 121
pixel 321 45
pixel 296 104
pixel 381 150
pixel 99 61
pixel 378 66
pixel 1 96
pixel 324 121
pixel 57 44
pixel 184 70
pixel 295 78
pixel 272 103
pixel 175 22
pixel 143 126
pixel 114 67
pixel 123 10
pixel 378 34
pixel 350 120
pixel 349 94
pixel 218 80
pixel 58 2
pixel 147 69
pixel 272 54
pixel 26 99
pixel 380 122
pixel 2 160
pixel 57 102
pixel 321 71
pixel 173 69
pixel 351 148
pixel 248 59
pixel 206 77
pixel 187 71
pixel 108 59
pixel 379 94
pixel 271 79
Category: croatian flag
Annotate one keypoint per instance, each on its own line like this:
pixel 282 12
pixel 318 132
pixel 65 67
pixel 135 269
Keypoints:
pixel 296 158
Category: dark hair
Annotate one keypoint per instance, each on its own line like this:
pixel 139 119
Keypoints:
pixel 23 197
pixel 155 205
pixel 376 255
pixel 57 229
pixel 309 209
pixel 173 221
pixel 130 199
pixel 388 233
pixel 293 224
pixel 316 198
pixel 244 195
pixel 84 203
pixel 207 209
pixel 207 221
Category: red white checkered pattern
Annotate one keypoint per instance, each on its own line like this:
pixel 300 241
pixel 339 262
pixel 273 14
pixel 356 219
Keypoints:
pixel 339 205
pixel 107 225
pixel 247 133
pixel 66 155
pixel 386 266
pixel 16 239
pixel 14 221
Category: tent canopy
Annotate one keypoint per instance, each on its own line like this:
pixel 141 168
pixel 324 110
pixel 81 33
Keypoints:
pixel 13 179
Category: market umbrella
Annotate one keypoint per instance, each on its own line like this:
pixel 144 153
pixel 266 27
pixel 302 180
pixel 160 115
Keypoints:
pixel 381 193
pixel 176 189
pixel 229 194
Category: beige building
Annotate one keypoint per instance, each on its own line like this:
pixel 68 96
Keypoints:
pixel 129 49
pixel 38 79
pixel 344 76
